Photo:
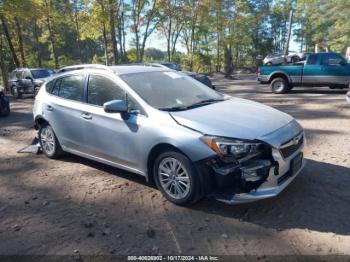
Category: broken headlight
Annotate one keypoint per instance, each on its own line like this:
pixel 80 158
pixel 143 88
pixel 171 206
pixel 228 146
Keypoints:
pixel 231 147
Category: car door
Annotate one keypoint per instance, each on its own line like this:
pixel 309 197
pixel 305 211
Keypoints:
pixel 18 81
pixel 12 78
pixel 334 69
pixel 27 81
pixel 63 110
pixel 312 71
pixel 111 136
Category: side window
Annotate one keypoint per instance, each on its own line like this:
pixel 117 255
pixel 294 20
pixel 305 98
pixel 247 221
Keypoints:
pixel 56 87
pixel 332 59
pixel 13 75
pixel 133 106
pixel 312 60
pixel 49 86
pixel 102 89
pixel 70 87
pixel 26 74
pixel 19 74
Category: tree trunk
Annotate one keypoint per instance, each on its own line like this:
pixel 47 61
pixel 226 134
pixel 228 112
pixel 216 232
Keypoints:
pixel 20 42
pixel 51 35
pixel 123 36
pixel 3 67
pixel 169 38
pixel 9 41
pixel 76 22
pixel 37 44
pixel 113 35
pixel 228 61
pixel 105 42
pixel 104 33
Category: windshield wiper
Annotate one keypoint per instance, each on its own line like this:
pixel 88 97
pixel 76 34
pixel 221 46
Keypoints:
pixel 205 102
pixel 200 103
pixel 174 108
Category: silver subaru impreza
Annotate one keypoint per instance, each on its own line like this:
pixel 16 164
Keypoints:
pixel 188 139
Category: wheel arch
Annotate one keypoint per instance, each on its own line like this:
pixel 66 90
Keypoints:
pixel 280 74
pixel 39 121
pixel 154 152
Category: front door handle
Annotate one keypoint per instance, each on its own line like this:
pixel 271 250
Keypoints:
pixel 86 116
pixel 49 108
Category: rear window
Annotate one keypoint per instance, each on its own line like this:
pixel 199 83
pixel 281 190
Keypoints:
pixel 312 60
pixel 40 73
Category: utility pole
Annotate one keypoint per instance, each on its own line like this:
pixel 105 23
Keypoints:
pixel 286 49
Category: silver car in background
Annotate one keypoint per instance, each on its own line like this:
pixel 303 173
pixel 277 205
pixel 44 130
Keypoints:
pixel 187 138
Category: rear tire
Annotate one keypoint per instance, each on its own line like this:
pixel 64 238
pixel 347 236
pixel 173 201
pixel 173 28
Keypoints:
pixel 49 142
pixel 279 85
pixel 15 93
pixel 177 178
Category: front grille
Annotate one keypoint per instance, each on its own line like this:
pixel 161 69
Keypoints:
pixel 288 150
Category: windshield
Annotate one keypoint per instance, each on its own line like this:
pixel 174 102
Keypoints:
pixel 41 73
pixel 170 90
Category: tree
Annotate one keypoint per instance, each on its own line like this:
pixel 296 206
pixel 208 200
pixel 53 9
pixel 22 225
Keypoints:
pixel 145 18
pixel 171 24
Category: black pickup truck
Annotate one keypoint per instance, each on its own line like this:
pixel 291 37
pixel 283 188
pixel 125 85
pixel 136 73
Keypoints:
pixel 320 69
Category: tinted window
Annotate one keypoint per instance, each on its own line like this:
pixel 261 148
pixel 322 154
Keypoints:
pixel 13 74
pixel 26 74
pixel 312 60
pixel 49 86
pixel 19 74
pixel 40 73
pixel 102 90
pixel 71 87
pixel 332 59
pixel 56 87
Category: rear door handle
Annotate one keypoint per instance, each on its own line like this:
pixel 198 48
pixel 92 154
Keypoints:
pixel 49 108
pixel 86 116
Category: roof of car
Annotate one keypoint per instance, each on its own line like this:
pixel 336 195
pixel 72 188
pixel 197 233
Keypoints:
pixel 130 69
pixel 80 67
pixel 118 69
pixel 28 68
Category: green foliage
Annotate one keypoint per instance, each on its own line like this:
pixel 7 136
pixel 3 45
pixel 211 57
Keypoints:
pixel 51 33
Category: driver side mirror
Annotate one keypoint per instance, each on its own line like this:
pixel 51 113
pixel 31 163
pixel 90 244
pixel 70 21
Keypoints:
pixel 115 106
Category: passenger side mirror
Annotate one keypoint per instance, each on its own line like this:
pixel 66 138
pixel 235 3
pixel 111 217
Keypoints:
pixel 115 106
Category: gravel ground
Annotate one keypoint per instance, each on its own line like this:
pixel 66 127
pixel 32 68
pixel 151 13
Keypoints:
pixel 77 206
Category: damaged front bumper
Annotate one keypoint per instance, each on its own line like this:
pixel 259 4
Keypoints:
pixel 275 175
pixel 270 188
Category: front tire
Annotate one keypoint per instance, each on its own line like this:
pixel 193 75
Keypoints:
pixel 7 110
pixel 36 90
pixel 279 85
pixel 49 143
pixel 176 177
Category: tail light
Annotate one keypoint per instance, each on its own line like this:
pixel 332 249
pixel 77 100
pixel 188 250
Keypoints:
pixel 258 71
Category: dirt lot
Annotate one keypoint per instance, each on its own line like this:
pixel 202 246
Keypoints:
pixel 76 206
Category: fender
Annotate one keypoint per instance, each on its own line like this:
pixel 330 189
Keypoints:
pixel 270 77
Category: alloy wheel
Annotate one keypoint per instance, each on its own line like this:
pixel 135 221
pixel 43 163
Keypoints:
pixel 174 178
pixel 48 141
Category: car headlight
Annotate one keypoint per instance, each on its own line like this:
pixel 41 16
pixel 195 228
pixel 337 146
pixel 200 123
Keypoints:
pixel 231 147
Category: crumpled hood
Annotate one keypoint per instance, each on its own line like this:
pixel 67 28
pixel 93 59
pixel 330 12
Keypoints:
pixel 234 118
